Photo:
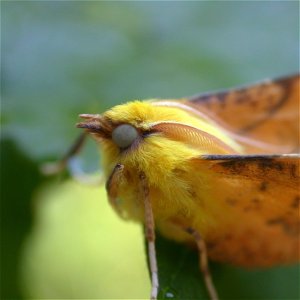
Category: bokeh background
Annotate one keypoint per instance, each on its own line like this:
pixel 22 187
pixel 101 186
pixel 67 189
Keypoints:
pixel 60 239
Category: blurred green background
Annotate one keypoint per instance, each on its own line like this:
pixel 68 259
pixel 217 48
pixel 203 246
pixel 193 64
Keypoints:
pixel 60 239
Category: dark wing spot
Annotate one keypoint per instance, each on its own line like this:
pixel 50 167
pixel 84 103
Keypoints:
pixel 242 96
pixel 295 202
pixel 290 227
pixel 255 200
pixel 293 171
pixel 211 245
pixel 231 201
pixel 228 237
pixel 285 84
pixel 222 96
pixel 270 164
pixel 275 221
pixel 263 186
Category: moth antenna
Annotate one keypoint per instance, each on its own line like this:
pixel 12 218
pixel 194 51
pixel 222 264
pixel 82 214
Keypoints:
pixel 203 263
pixel 150 236
pixel 71 162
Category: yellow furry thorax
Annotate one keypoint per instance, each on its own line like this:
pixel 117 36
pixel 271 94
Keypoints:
pixel 165 162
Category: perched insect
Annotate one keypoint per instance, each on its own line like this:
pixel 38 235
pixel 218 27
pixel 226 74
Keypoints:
pixel 219 170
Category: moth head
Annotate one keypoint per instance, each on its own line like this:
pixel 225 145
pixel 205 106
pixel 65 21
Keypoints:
pixel 116 129
pixel 125 125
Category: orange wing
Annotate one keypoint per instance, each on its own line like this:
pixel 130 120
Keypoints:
pixel 267 112
pixel 255 202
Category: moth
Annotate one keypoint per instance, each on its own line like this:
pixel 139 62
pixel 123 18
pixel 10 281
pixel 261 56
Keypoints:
pixel 218 170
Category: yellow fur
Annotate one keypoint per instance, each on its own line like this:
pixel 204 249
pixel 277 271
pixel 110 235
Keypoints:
pixel 176 196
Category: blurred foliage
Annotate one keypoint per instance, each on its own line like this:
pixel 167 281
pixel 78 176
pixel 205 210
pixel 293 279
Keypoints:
pixel 80 249
pixel 19 178
pixel 62 58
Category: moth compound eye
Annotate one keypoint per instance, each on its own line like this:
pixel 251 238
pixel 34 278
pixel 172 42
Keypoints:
pixel 124 135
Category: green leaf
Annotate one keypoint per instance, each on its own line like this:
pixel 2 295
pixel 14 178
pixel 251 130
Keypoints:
pixel 180 277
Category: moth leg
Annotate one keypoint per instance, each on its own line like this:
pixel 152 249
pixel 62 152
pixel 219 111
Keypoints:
pixel 71 162
pixel 112 185
pixel 203 263
pixel 76 171
pixel 56 167
pixel 150 236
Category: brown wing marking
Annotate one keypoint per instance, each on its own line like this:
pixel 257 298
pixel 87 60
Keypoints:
pixel 267 112
pixel 255 202
pixel 280 169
